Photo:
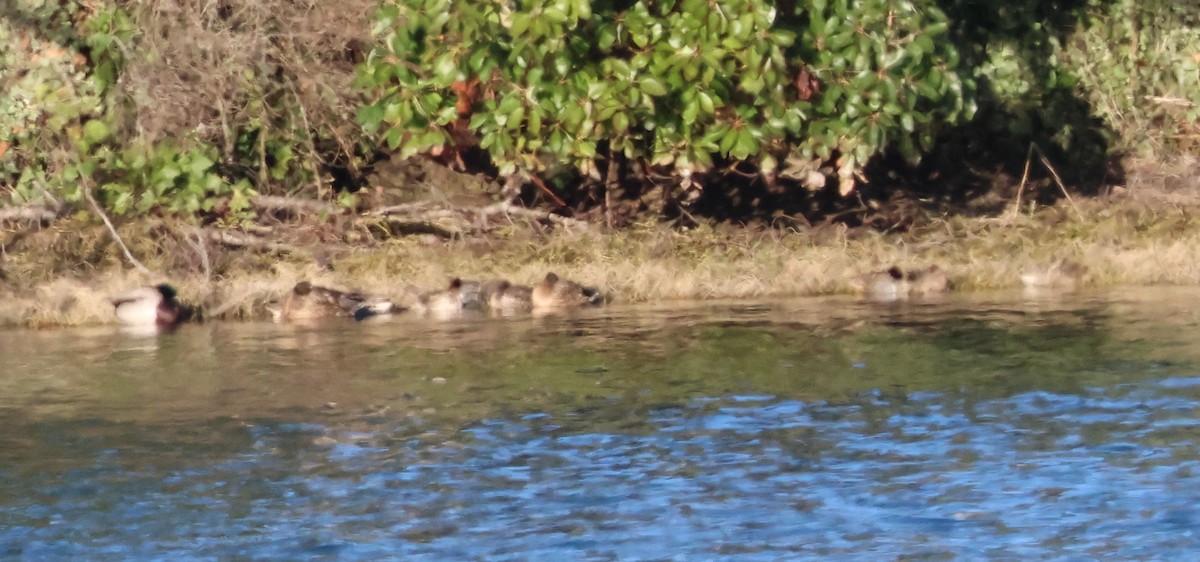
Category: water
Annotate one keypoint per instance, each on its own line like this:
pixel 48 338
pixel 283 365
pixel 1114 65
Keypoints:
pixel 986 426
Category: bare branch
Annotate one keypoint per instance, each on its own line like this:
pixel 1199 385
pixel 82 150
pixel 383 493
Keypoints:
pixel 87 194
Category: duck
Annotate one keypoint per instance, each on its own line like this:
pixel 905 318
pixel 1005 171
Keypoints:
pixel 889 285
pixel 502 297
pixel 927 282
pixel 449 302
pixel 554 292
pixel 895 284
pixel 149 306
pixel 1061 275
pixel 311 302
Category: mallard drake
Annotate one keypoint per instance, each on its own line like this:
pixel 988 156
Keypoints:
pixel 505 298
pixel 1061 275
pixel 311 302
pixel 149 306
pixel 553 292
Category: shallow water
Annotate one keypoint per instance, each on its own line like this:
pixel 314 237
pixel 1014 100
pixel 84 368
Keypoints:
pixel 985 426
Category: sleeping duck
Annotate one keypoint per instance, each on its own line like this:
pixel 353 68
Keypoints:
pixel 1061 275
pixel 553 292
pixel 927 282
pixel 504 298
pixel 149 306
pixel 896 284
pixel 312 302
pixel 447 303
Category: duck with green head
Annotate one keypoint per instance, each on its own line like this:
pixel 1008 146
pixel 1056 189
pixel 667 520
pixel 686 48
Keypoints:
pixel 554 292
pixel 308 302
pixel 149 306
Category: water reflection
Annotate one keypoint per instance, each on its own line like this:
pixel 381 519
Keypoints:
pixel 974 427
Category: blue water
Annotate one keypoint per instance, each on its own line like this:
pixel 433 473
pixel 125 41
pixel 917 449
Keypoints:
pixel 984 427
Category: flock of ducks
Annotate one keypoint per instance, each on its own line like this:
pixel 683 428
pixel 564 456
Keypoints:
pixel 157 306
pixel 895 284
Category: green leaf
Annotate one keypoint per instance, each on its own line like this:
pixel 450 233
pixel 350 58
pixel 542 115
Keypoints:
pixel 444 68
pixel 370 116
pixel 620 122
pixel 653 87
pixel 690 111
pixel 95 131
pixel 199 164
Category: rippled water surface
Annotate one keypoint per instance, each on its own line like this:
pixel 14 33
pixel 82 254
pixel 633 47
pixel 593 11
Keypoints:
pixel 988 426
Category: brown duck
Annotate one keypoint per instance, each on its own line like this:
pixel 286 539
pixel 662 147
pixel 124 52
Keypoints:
pixel 312 302
pixel 553 292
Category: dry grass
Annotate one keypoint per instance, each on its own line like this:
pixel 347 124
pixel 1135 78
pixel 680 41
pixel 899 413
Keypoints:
pixel 1141 235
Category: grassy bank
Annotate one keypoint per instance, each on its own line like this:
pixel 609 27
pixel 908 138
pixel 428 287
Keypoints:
pixel 1141 234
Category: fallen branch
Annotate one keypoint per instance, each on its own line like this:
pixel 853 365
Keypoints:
pixel 37 213
pixel 509 210
pixel 402 209
pixel 235 240
pixel 293 204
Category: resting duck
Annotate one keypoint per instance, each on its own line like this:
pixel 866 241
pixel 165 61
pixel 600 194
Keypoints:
pixel 450 302
pixel 553 292
pixel 1061 275
pixel 897 284
pixel 929 281
pixel 887 285
pixel 505 298
pixel 149 306
pixel 311 302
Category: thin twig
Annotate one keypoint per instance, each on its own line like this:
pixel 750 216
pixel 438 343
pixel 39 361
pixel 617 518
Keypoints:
pixel 87 194
pixel 46 193
pixel 1024 178
pixel 201 249
pixel 1058 180
pixel 542 185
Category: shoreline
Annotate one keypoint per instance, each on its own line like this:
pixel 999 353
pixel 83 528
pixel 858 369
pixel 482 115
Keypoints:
pixel 56 277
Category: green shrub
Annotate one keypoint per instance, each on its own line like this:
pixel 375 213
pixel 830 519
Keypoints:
pixel 184 112
pixel 1138 63
pixel 678 85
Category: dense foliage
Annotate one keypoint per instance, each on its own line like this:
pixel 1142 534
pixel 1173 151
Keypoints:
pixel 192 111
pixel 679 85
